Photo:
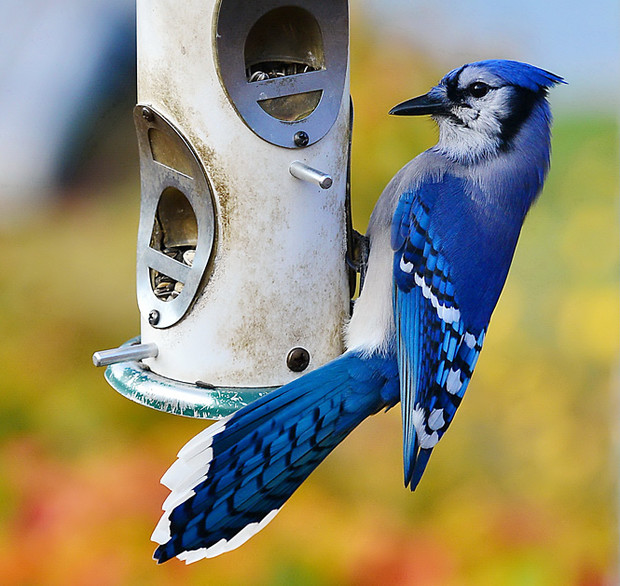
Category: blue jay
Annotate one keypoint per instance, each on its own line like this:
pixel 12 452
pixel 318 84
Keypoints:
pixel 442 237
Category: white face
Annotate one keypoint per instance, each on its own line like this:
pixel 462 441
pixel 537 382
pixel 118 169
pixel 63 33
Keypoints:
pixel 480 105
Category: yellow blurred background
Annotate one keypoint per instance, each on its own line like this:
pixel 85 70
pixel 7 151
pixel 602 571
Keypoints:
pixel 523 489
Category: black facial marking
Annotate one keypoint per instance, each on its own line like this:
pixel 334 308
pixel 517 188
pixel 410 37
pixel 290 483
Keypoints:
pixel 456 120
pixel 452 87
pixel 523 102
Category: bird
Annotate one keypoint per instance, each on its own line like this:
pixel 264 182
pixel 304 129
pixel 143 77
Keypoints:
pixel 441 240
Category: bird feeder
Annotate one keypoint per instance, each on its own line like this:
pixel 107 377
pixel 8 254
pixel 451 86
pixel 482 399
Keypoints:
pixel 243 123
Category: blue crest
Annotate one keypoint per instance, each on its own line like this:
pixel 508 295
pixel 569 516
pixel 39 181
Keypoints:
pixel 514 73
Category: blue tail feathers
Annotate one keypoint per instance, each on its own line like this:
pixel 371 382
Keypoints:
pixel 231 479
pixel 417 467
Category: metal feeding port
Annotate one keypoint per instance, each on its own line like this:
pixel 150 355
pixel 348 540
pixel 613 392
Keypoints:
pixel 284 42
pixel 284 67
pixel 177 220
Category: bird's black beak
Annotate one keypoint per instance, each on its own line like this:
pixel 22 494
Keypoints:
pixel 419 106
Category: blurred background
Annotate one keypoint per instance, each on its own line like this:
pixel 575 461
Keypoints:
pixel 522 491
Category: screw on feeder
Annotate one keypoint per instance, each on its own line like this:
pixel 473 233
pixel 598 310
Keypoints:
pixel 304 172
pixel 153 317
pixel 298 359
pixel 301 139
pixel 147 114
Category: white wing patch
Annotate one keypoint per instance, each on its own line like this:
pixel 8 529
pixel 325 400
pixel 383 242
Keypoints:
pixel 425 440
pixel 436 419
pixel 470 340
pixel 405 267
pixel 445 313
pixel 453 382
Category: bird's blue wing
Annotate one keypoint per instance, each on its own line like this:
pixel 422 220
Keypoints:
pixel 437 351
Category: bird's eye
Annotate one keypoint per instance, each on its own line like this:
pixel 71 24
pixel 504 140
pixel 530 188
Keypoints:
pixel 478 89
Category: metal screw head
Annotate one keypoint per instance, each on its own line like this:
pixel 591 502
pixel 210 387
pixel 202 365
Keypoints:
pixel 301 138
pixel 298 359
pixel 147 114
pixel 153 317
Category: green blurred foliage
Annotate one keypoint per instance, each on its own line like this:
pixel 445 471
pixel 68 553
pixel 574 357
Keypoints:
pixel 520 492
